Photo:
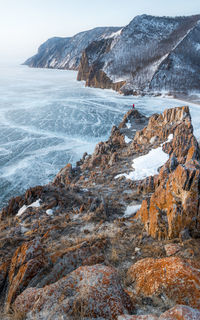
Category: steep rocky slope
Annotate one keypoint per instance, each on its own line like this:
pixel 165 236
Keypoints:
pixel 149 54
pixel 104 240
pixel 65 53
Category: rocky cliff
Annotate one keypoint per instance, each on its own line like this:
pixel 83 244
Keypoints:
pixel 150 54
pixel 116 237
pixel 65 53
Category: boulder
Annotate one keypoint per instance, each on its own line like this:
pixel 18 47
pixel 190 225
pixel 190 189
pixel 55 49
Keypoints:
pixel 140 317
pixel 179 312
pixel 167 281
pixel 89 291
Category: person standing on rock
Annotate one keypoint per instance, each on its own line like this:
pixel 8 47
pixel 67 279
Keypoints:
pixel 133 106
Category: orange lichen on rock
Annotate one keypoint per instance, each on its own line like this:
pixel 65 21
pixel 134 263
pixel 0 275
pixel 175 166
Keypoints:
pixel 93 291
pixel 174 205
pixel 176 279
pixel 25 264
pixel 179 312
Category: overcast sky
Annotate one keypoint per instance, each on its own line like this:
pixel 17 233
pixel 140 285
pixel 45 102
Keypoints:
pixel 25 24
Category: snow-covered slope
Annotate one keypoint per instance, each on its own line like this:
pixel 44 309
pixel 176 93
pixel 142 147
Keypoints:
pixel 149 54
pixel 137 57
pixel 65 53
pixel 180 70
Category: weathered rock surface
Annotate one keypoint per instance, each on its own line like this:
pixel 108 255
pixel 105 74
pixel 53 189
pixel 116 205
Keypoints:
pixel 54 238
pixel 167 281
pixel 179 312
pixel 27 261
pixel 174 205
pixel 86 292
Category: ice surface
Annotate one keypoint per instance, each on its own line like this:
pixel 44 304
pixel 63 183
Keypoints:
pixel 131 210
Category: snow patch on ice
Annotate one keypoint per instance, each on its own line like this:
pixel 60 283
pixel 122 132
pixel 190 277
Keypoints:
pixel 128 124
pixel 35 204
pixel 131 210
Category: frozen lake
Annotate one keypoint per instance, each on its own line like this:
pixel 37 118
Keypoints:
pixel 48 119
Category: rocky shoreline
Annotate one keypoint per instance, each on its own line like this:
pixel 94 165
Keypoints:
pixel 105 241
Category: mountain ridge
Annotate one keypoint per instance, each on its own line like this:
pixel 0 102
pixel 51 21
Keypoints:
pixel 149 55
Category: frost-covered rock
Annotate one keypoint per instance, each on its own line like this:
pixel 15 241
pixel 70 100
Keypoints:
pixel 65 53
pixel 150 53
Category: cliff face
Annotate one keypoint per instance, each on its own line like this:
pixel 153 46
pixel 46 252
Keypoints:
pixel 151 53
pixel 65 53
pixel 124 239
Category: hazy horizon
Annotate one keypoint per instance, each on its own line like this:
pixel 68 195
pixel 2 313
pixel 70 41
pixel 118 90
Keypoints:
pixel 25 25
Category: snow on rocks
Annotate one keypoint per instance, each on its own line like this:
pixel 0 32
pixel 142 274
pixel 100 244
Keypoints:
pixel 35 204
pixel 127 140
pixel 174 278
pixel 131 210
pixel 49 212
pixel 146 165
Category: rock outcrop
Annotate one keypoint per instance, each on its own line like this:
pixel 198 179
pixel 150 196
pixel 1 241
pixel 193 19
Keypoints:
pixel 91 292
pixel 166 282
pixel 179 312
pixel 174 205
pixel 99 242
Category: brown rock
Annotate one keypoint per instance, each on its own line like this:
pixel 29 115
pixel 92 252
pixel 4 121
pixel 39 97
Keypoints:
pixel 171 249
pixel 174 279
pixel 64 176
pixel 174 205
pixel 181 312
pixel 25 264
pixel 86 292
pixel 141 317
pixel 3 273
